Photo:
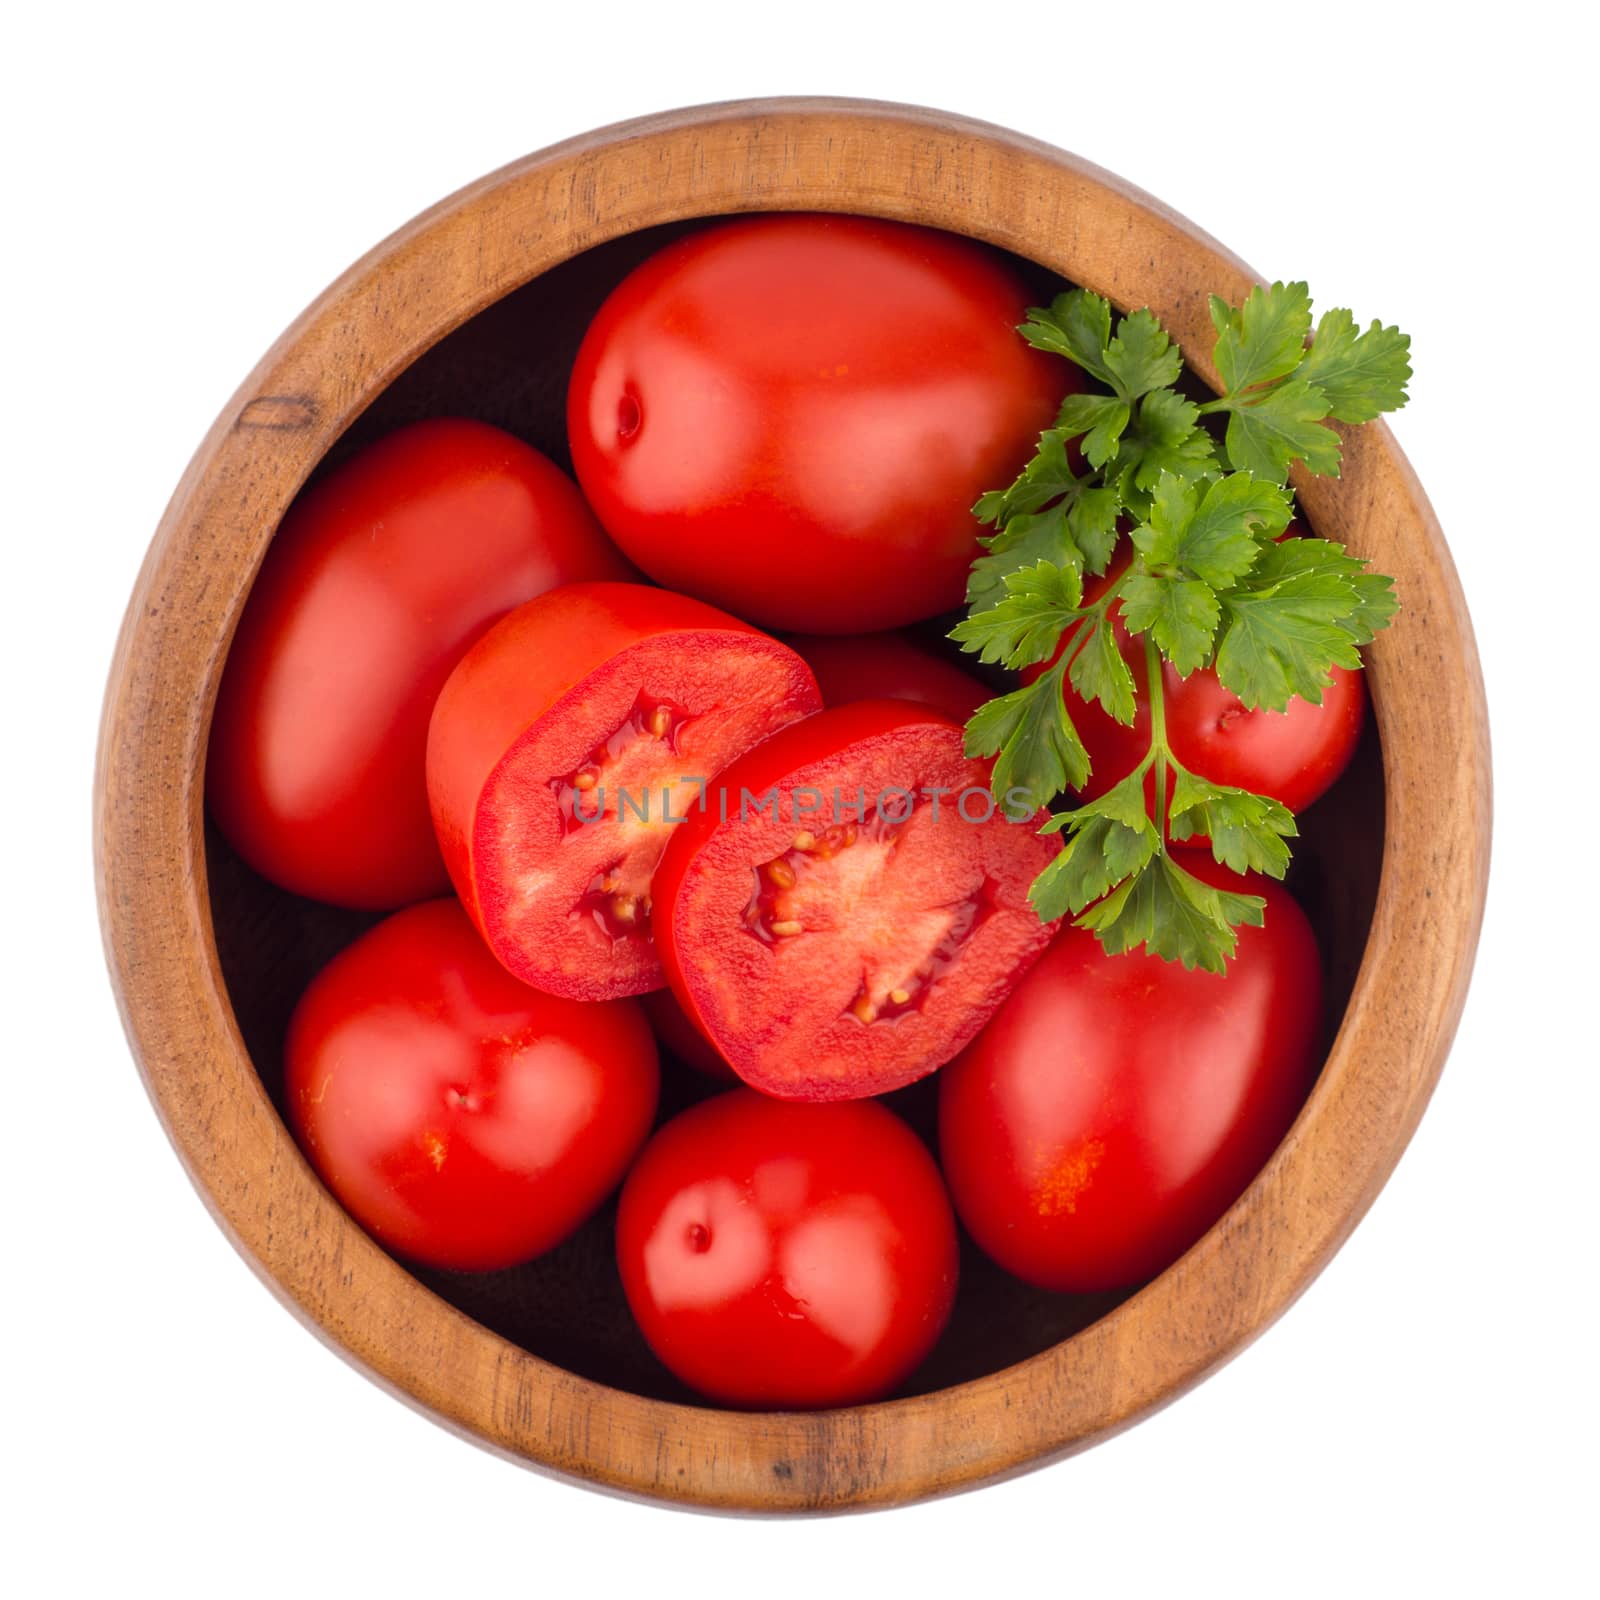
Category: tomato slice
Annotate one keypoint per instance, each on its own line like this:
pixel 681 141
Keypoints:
pixel 562 750
pixel 851 906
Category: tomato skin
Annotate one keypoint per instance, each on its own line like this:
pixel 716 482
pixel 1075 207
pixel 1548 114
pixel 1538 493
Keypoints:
pixel 887 666
pixel 681 1038
pixel 549 674
pixel 464 1119
pixel 791 415
pixel 378 580
pixel 786 1256
pixel 1116 1106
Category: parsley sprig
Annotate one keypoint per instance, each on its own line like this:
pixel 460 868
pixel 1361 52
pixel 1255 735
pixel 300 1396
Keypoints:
pixel 1207 584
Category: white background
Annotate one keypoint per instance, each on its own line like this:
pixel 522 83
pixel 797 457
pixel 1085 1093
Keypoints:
pixel 180 183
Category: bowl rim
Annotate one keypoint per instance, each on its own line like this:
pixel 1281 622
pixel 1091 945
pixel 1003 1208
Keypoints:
pixel 816 154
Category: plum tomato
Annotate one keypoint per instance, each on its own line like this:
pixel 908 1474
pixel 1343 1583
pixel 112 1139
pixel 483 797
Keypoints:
pixel 1116 1106
pixel 679 1037
pixel 887 666
pixel 851 906
pixel 462 1118
pixel 1294 755
pixel 787 1256
pixel 563 747
pixel 379 578
pixel 791 415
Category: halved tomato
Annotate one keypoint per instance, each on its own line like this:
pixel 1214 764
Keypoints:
pixel 564 747
pixel 851 906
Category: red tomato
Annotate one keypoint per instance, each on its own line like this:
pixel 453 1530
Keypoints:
pixel 679 1037
pixel 462 1118
pixel 556 748
pixel 791 415
pixel 787 1256
pixel 379 578
pixel 1293 755
pixel 851 906
pixel 888 666
pixel 1118 1105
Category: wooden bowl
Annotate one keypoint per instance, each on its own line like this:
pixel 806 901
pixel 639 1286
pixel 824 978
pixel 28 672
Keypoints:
pixel 476 307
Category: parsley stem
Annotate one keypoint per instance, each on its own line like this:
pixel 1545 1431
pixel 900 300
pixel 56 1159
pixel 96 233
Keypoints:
pixel 1158 735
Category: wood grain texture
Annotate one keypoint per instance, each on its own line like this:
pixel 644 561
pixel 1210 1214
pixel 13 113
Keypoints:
pixel 342 357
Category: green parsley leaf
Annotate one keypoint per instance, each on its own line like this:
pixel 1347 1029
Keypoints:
pixel 1046 477
pixel 1035 745
pixel 1112 837
pixel 1141 357
pixel 1092 521
pixel 1026 626
pixel 1266 436
pixel 1164 436
pixel 1215 533
pixel 1076 325
pixel 1098 672
pixel 1246 830
pixel 1283 641
pixel 1361 374
pixel 1173 915
pixel 1100 418
pixel 1263 339
pixel 1181 615
pixel 1024 542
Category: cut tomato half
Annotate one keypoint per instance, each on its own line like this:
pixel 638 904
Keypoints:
pixel 565 748
pixel 851 906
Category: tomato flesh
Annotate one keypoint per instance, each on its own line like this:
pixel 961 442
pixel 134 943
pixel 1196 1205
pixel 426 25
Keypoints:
pixel 1116 1106
pixel 787 1255
pixel 464 1119
pixel 849 948
pixel 791 415
pixel 565 750
pixel 380 577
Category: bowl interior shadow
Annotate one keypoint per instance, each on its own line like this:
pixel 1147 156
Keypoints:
pixel 509 366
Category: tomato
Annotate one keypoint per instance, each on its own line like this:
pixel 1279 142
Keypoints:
pixel 679 1037
pixel 887 666
pixel 379 578
pixel 787 1256
pixel 563 746
pixel 851 906
pixel 1117 1105
pixel 1293 755
pixel 791 415
pixel 462 1118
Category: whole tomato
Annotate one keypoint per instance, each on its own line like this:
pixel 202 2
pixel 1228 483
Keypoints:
pixel 1116 1106
pixel 462 1118
pixel 787 1256
pixel 791 415
pixel 379 578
